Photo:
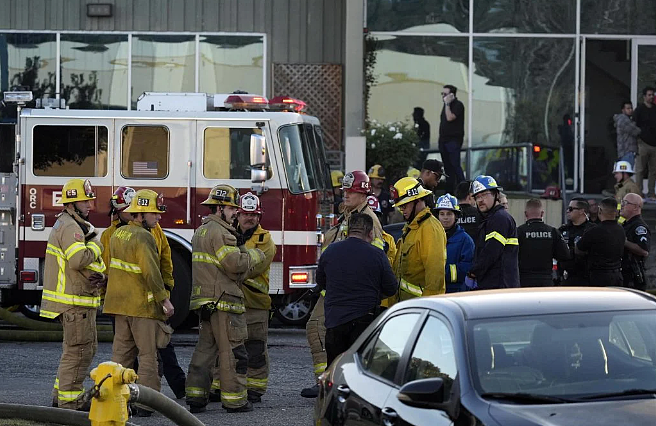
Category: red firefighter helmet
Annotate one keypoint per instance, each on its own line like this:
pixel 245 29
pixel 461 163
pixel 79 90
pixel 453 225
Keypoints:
pixel 122 198
pixel 250 203
pixel 356 181
pixel 373 204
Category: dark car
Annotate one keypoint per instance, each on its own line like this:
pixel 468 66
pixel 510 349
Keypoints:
pixel 553 356
pixel 395 229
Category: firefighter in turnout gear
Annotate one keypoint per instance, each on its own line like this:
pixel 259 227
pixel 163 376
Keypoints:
pixel 421 252
pixel 256 298
pixel 136 294
pixel 355 189
pixel 73 275
pixel 539 244
pixel 120 201
pixel 220 264
pixel 495 262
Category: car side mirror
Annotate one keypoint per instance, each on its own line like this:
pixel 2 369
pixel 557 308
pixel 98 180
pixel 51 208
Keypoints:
pixel 258 151
pixel 425 393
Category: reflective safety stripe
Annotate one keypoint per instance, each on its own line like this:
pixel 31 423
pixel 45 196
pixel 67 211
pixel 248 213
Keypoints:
pixel 57 383
pixel 61 275
pixel 224 251
pixel 320 367
pixel 257 285
pixel 150 297
pixel 69 299
pixel 199 256
pixel 415 290
pixel 255 256
pixel 378 243
pixel 69 395
pixel 233 396
pixel 74 248
pixel 197 303
pixel 216 384
pixel 260 384
pixel 48 314
pixel 196 392
pixel 97 266
pixel 124 266
pixel 454 273
pixel 323 293
pixel 235 308
pixel 500 238
pixel 95 248
pixel 54 250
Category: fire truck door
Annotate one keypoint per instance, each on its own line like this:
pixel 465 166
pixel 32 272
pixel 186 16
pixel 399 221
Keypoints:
pixel 8 182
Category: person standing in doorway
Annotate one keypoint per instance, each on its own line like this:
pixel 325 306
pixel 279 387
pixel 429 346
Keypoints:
pixel 452 134
pixel 422 127
pixel 645 118
pixel 627 134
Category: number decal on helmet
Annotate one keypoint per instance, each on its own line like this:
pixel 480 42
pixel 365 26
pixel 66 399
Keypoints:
pixel 70 193
pixel 412 192
pixel 144 202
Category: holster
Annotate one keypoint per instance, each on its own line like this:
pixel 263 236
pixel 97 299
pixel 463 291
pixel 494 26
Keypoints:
pixel 207 310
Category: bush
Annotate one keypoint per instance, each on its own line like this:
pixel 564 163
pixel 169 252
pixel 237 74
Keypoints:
pixel 393 146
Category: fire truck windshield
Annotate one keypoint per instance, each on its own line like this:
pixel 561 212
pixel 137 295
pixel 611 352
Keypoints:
pixel 302 158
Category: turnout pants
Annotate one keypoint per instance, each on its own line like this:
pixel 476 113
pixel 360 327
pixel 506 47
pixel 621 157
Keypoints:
pixel 78 348
pixel 316 336
pixel 140 337
pixel 257 376
pixel 224 334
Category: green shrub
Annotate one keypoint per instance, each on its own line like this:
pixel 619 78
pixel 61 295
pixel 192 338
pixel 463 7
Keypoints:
pixel 393 146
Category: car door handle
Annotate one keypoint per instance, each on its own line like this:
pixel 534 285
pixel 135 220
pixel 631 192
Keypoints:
pixel 389 416
pixel 343 391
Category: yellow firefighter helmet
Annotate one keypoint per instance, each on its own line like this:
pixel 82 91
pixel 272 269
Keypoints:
pixel 407 189
pixel 222 195
pixel 146 201
pixel 77 190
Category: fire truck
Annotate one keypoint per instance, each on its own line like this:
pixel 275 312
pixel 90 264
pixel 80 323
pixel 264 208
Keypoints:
pixel 180 145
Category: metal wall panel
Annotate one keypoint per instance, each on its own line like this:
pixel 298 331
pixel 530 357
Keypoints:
pixel 299 31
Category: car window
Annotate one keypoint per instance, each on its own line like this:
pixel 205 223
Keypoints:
pixel 632 341
pixel 381 355
pixel 226 153
pixel 433 354
pixel 70 150
pixel 144 152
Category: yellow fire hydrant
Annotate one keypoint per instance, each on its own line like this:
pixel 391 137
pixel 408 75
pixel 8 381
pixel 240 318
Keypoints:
pixel 109 405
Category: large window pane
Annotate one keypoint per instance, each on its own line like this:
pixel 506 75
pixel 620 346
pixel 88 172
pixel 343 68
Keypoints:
pixel 69 151
pixel 439 16
pixel 230 63
pixel 227 153
pixel 411 71
pixel 618 17
pixel 94 71
pixel 162 64
pixel 525 16
pixel 145 152
pixel 27 60
pixel 523 87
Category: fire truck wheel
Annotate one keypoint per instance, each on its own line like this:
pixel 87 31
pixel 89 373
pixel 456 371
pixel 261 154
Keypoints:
pixel 32 312
pixel 181 289
pixel 295 311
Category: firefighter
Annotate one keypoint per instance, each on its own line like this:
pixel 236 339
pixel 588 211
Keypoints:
pixel 604 245
pixel 136 294
pixel 539 244
pixel 622 173
pixel 336 177
pixel 495 261
pixel 573 272
pixel 459 245
pixel 120 201
pixel 421 252
pixel 377 178
pixel 638 242
pixel 256 300
pixel 389 245
pixel 73 275
pixel 219 266
pixel 355 188
pixel 469 217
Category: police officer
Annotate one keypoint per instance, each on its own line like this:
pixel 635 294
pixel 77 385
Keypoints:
pixel 604 245
pixel 638 241
pixel 73 275
pixel 574 271
pixel 459 245
pixel 495 262
pixel 432 172
pixel 219 265
pixel 539 244
pixel 421 252
pixel 377 178
pixel 136 294
pixel 469 217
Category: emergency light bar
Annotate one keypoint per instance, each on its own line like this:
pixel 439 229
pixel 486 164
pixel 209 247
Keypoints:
pixel 285 103
pixel 18 97
pixel 243 101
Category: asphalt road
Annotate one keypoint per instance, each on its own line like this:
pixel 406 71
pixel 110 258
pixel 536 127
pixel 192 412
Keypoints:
pixel 29 369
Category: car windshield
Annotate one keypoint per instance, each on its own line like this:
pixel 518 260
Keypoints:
pixel 568 356
pixel 300 159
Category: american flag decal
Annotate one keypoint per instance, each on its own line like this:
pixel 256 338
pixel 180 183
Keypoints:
pixel 144 168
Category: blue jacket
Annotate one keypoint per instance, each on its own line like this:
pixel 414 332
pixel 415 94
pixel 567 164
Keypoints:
pixel 495 263
pixel 459 258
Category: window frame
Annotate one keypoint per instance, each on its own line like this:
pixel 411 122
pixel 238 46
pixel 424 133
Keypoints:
pixel 202 152
pixel 403 360
pixel 71 124
pixel 168 152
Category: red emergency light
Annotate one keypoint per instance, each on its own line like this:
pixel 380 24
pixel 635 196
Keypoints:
pixel 28 276
pixel 300 277
pixel 285 103
pixel 244 101
pixel 537 148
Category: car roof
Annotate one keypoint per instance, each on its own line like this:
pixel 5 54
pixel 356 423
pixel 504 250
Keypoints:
pixel 541 301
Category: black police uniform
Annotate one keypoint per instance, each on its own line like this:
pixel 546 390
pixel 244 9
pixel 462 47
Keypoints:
pixel 385 205
pixel 576 266
pixel 469 219
pixel 495 261
pixel 539 244
pixel 605 246
pixel 633 266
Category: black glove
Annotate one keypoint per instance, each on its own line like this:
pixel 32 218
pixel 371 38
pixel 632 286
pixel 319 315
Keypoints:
pixel 98 280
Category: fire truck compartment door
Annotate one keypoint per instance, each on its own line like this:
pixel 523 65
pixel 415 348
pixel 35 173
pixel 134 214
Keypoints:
pixel 8 241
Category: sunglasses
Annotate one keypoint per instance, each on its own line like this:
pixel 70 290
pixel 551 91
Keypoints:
pixel 569 209
pixel 624 203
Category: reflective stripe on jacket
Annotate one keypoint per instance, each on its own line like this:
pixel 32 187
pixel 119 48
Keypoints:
pixel 69 262
pixel 495 263
pixel 256 288
pixel 135 287
pixel 218 265
pixel 421 257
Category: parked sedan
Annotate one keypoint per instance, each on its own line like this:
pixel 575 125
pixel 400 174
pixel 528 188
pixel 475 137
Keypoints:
pixel 551 356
